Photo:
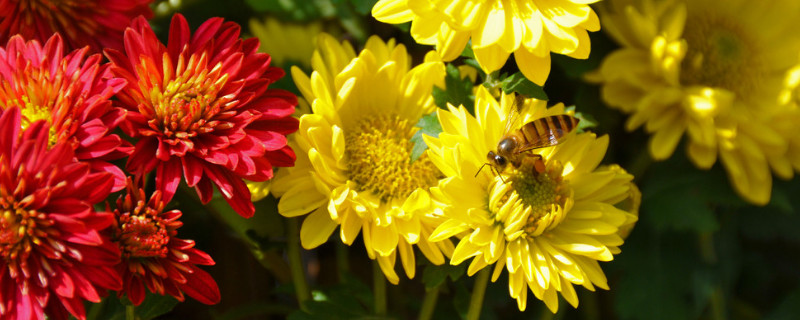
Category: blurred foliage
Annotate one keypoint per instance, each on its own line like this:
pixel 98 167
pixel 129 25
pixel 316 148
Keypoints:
pixel 697 252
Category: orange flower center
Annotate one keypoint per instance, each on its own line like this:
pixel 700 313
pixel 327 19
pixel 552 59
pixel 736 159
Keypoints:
pixel 20 231
pixel 143 235
pixel 188 103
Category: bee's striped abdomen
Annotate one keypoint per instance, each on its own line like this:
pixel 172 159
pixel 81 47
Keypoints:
pixel 547 131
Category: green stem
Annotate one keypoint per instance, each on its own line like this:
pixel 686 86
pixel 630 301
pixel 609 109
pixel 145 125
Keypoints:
pixel 379 288
pixel 130 312
pixel 429 303
pixel 589 304
pixel 296 262
pixel 478 291
pixel 640 163
pixel 707 251
pixel 342 260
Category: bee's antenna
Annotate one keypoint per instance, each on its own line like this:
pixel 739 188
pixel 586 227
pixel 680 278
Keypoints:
pixel 481 168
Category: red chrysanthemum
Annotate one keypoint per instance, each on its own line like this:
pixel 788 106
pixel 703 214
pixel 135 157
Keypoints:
pixel 201 109
pixel 72 92
pixel 52 253
pixel 152 255
pixel 96 23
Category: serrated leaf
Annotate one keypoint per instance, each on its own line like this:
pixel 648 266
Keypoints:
pixel 519 84
pixel 457 91
pixel 428 125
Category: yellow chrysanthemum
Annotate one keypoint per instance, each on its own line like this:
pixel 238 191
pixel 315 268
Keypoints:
pixel 354 169
pixel 497 28
pixel 786 122
pixel 286 41
pixel 714 72
pixel 548 230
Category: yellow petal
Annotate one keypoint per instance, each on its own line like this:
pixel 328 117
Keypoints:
pixel 450 42
pixel 384 239
pixel 387 266
pixel 534 67
pixel 300 199
pixel 350 227
pixel 449 228
pixel 392 11
pixel 664 141
pixel 491 58
pixel 407 258
pixel 316 229
pixel 493 29
pixel 464 250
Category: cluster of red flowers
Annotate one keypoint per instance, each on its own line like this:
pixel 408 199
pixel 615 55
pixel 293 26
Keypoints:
pixel 199 107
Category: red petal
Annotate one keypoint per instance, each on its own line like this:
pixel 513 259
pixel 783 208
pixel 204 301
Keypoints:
pixel 202 287
pixel 168 177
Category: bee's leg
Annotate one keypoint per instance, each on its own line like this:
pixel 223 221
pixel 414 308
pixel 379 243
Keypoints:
pixel 534 160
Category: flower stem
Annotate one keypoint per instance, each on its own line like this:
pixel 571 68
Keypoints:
pixel 296 263
pixel 476 302
pixel 342 262
pixel 708 252
pixel 130 312
pixel 429 303
pixel 379 288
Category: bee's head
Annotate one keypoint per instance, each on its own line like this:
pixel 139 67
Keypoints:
pixel 498 162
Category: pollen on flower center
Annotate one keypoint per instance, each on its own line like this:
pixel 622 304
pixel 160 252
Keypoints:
pixel 545 193
pixel 720 55
pixel 379 153
pixel 189 104
pixel 142 235
pixel 19 229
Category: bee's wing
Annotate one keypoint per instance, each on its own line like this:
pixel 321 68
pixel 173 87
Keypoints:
pixel 514 115
pixel 547 131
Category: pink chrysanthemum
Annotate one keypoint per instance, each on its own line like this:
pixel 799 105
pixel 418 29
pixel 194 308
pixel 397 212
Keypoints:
pixel 72 93
pixel 201 109
pixel 52 255
pixel 98 24
pixel 152 256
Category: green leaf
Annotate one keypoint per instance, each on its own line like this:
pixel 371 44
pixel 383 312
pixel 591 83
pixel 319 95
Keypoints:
pixel 155 305
pixel 346 300
pixel 294 10
pixel 657 277
pixel 519 84
pixel 458 90
pixel 788 308
pixel 679 196
pixel 428 125
pixel 433 275
pixel 587 120
pixel 468 53
pixel 363 7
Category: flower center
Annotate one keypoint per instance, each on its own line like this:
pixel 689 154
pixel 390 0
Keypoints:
pixel 143 235
pixel 188 105
pixel 379 152
pixel 20 230
pixel 720 55
pixel 38 97
pixel 544 193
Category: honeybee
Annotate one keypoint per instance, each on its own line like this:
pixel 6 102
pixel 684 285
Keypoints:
pixel 539 133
